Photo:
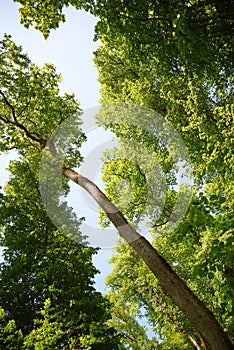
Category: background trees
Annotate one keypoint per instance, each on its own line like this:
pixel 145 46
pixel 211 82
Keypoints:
pixel 152 62
pixel 160 63
pixel 175 58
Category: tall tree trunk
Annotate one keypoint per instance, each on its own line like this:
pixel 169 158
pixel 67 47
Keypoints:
pixel 207 327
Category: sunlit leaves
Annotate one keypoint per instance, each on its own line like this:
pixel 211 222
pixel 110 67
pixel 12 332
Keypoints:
pixel 45 16
pixel 31 107
pixel 186 77
pixel 10 336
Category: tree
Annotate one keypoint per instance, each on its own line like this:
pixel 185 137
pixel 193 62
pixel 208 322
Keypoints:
pixel 10 336
pixel 199 250
pixel 125 318
pixel 46 278
pixel 29 140
pixel 199 103
pixel 197 34
pixel 39 265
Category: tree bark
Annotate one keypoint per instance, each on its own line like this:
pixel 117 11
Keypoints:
pixel 202 319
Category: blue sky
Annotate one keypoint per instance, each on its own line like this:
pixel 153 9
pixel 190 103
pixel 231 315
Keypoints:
pixel 70 48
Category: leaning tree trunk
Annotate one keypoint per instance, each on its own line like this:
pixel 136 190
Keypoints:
pixel 207 327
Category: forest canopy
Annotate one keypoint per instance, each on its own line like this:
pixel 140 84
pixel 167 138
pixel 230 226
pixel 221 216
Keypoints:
pixel 176 59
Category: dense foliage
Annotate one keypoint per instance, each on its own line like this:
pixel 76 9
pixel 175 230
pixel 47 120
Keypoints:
pixel 185 73
pixel 48 299
pixel 176 58
pixel 183 70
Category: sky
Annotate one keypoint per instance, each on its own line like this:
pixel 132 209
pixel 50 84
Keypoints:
pixel 70 49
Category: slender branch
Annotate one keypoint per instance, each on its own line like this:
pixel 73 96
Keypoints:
pixel 128 69
pixel 30 135
pixel 182 330
pixel 9 105
pixel 6 121
pixel 9 148
pixel 190 338
pixel 162 224
pixel 141 172
pixel 134 204
pixel 15 122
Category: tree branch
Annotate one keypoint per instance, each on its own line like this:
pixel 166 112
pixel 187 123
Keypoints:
pixel 190 338
pixel 9 105
pixel 15 122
